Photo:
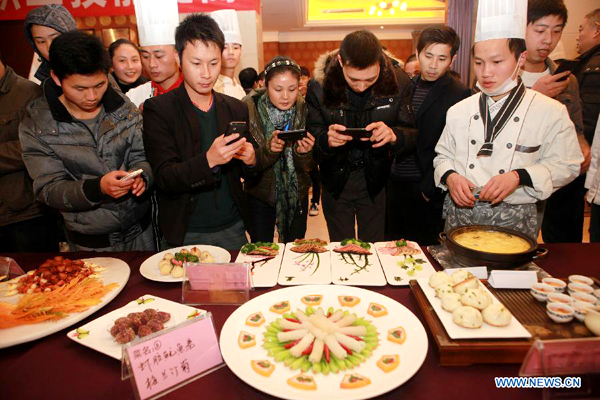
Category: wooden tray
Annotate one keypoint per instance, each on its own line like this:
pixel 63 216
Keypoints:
pixel 530 312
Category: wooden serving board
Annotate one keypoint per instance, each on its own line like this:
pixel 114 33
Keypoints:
pixel 530 312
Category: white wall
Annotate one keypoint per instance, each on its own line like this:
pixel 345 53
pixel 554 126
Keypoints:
pixel 577 11
pixel 252 49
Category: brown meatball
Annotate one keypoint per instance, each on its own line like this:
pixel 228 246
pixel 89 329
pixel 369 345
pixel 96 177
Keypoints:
pixel 125 336
pixel 155 325
pixel 163 316
pixel 150 313
pixel 144 330
pixel 115 330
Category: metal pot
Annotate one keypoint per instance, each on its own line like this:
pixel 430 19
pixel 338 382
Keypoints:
pixel 470 257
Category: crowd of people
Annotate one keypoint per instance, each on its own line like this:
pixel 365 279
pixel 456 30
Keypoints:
pixel 401 149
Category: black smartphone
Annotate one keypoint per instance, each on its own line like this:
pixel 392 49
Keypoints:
pixel 236 127
pixel 293 135
pixel 565 65
pixel 357 133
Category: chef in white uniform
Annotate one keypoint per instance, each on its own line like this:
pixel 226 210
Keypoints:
pixel 506 147
pixel 227 82
pixel 157 21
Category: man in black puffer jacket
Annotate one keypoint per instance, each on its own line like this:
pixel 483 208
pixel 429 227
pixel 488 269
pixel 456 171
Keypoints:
pixel 358 86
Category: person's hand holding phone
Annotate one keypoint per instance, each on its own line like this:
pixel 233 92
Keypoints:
pixel 277 144
pixel 114 186
pixel 305 145
pixel 223 149
pixel 552 85
pixel 336 136
pixel 381 134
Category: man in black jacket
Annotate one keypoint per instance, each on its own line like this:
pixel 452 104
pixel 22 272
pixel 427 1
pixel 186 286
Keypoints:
pixel 358 87
pixel 197 168
pixel 588 71
pixel 414 203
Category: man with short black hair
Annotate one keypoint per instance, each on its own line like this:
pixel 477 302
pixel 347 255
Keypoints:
pixel 197 168
pixel 588 71
pixel 304 78
pixel 414 204
pixel 411 67
pixel 248 77
pixel 79 141
pixel 563 215
pixel 358 86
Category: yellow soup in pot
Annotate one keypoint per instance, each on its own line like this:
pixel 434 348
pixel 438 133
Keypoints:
pixel 492 242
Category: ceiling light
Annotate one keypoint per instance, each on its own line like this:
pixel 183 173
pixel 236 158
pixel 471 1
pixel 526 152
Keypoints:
pixel 383 4
pixel 395 3
pixel 379 13
pixel 403 6
pixel 392 11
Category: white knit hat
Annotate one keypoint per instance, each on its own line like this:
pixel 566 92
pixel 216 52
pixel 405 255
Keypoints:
pixel 501 19
pixel 228 22
pixel 156 21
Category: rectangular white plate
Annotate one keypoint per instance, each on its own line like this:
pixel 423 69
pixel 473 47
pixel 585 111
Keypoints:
pixel 354 269
pixel 98 331
pixel 264 274
pixel 512 330
pixel 400 276
pixel 304 268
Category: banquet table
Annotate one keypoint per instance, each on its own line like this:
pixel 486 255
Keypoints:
pixel 58 368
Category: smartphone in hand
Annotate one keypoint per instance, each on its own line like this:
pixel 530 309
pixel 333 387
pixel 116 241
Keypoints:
pixel 132 175
pixel 357 133
pixel 293 135
pixel 565 65
pixel 235 127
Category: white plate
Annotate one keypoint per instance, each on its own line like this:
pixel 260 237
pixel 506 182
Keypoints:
pixel 264 275
pixel 117 271
pixel 99 338
pixel 397 275
pixel 149 268
pixel 512 330
pixel 412 352
pixel 304 268
pixel 345 272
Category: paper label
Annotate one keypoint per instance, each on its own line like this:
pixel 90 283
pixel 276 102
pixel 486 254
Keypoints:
pixel 173 357
pixel 218 277
pixel 501 279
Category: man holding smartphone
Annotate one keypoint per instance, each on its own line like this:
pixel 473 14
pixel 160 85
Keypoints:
pixel 198 167
pixel 358 86
pixel 563 214
pixel 80 140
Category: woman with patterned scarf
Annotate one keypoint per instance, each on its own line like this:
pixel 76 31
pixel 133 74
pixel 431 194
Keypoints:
pixel 280 194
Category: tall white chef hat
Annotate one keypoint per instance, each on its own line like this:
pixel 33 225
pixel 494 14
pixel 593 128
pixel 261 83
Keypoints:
pixel 157 21
pixel 228 22
pixel 501 19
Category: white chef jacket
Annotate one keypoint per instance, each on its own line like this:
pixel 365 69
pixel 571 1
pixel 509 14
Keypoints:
pixel 539 137
pixel 140 94
pixel 592 180
pixel 230 87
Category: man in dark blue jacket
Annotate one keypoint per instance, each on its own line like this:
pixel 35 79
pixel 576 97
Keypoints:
pixel 358 86
pixel 414 203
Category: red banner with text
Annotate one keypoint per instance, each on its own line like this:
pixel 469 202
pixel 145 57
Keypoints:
pixel 18 9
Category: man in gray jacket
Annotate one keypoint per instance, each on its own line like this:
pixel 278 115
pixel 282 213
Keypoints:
pixel 79 141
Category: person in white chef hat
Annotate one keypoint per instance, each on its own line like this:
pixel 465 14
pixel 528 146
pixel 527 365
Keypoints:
pixel 507 147
pixel 227 83
pixel 157 21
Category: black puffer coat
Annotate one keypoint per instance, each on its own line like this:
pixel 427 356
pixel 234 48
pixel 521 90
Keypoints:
pixel 388 101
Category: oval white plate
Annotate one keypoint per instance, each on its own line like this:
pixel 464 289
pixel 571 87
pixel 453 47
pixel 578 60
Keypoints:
pixel 412 352
pixel 149 268
pixel 117 271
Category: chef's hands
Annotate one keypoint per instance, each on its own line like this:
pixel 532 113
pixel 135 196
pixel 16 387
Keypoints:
pixel 305 145
pixel 460 190
pixel 336 137
pixel 112 185
pixel 381 134
pixel 550 84
pixel 498 187
pixel 221 153
pixel 587 154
